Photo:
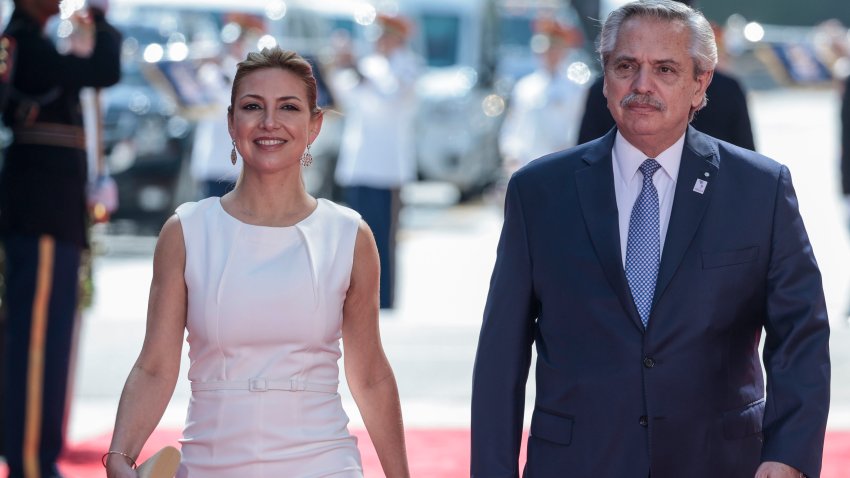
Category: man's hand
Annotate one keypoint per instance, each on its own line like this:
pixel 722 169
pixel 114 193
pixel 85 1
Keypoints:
pixel 773 469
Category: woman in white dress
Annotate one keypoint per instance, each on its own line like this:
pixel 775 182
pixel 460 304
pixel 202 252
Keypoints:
pixel 266 280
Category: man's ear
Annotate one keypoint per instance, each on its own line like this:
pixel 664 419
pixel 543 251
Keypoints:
pixel 703 80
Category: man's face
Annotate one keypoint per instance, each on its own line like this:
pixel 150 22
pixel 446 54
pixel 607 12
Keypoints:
pixel 555 54
pixel 650 84
pixel 389 42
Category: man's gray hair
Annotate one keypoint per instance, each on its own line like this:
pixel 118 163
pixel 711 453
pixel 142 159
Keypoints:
pixel 703 47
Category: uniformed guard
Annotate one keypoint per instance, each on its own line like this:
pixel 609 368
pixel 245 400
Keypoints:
pixel 43 219
pixel 7 63
pixel 377 152
pixel 545 108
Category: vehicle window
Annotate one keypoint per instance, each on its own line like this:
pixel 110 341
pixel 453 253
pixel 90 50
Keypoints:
pixel 441 38
pixel 345 24
pixel 515 31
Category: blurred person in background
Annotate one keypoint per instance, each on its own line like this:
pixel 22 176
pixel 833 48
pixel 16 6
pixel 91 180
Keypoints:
pixel 7 63
pixel 101 191
pixel 265 280
pixel 644 267
pixel 377 155
pixel 845 146
pixel 832 46
pixel 43 223
pixel 725 117
pixel 545 106
pixel 213 174
pixel 839 47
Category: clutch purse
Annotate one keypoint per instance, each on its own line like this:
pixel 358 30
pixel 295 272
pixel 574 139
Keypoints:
pixel 163 464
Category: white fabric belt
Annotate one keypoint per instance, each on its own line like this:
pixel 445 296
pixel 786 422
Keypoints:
pixel 263 385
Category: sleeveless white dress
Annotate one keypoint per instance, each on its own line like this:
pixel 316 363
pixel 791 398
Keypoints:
pixel 264 325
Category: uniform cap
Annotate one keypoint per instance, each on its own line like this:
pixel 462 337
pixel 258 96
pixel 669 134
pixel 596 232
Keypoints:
pixel 395 24
pixel 555 30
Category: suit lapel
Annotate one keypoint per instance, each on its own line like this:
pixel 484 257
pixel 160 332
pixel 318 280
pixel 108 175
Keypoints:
pixel 699 162
pixel 595 187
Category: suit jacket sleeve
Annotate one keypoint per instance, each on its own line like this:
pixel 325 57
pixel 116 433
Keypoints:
pixel 504 351
pixel 796 350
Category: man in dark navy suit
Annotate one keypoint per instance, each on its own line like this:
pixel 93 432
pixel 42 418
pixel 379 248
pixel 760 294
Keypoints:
pixel 644 266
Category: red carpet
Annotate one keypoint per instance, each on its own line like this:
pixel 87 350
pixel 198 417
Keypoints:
pixel 437 453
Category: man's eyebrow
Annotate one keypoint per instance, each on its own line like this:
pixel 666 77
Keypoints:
pixel 624 58
pixel 666 61
pixel 663 61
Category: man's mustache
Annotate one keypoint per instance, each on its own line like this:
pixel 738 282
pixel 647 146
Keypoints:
pixel 642 99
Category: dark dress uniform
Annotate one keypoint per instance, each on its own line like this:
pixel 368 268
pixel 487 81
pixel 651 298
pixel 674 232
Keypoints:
pixel 845 138
pixel 43 223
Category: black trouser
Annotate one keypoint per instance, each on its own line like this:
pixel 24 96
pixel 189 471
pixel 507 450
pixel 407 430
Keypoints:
pixel 379 208
pixel 41 296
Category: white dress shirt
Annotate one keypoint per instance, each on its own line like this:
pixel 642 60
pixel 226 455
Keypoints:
pixel 628 181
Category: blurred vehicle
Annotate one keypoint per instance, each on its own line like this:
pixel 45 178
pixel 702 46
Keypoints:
pixel 145 139
pixel 459 111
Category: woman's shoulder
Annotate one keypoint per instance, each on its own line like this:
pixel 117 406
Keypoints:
pixel 171 239
pixel 187 210
pixel 338 211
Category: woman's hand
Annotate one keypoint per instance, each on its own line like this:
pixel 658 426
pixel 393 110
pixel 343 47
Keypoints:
pixel 118 466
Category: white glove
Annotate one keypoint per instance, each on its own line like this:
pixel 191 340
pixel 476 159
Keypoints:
pixel 102 5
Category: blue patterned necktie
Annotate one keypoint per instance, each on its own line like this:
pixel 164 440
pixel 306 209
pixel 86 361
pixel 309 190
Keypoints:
pixel 643 249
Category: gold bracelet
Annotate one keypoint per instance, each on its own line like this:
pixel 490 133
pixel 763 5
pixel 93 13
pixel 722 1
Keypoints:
pixel 113 452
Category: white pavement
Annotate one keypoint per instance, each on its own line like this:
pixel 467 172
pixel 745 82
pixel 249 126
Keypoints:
pixel 446 255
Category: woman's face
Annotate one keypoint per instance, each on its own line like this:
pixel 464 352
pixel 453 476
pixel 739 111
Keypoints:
pixel 271 121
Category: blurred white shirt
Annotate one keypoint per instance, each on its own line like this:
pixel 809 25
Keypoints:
pixel 544 116
pixel 377 147
pixel 212 143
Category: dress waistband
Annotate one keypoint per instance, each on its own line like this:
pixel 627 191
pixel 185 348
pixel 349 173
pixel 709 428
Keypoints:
pixel 263 385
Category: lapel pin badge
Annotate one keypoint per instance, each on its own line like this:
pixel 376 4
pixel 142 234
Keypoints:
pixel 699 186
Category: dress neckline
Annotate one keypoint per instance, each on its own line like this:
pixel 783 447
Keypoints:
pixel 307 218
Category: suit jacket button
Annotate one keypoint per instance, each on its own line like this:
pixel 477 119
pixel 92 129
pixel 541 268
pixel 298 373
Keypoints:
pixel 644 421
pixel 648 362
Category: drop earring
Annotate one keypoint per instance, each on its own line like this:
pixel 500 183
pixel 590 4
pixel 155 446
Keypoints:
pixel 307 157
pixel 233 153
